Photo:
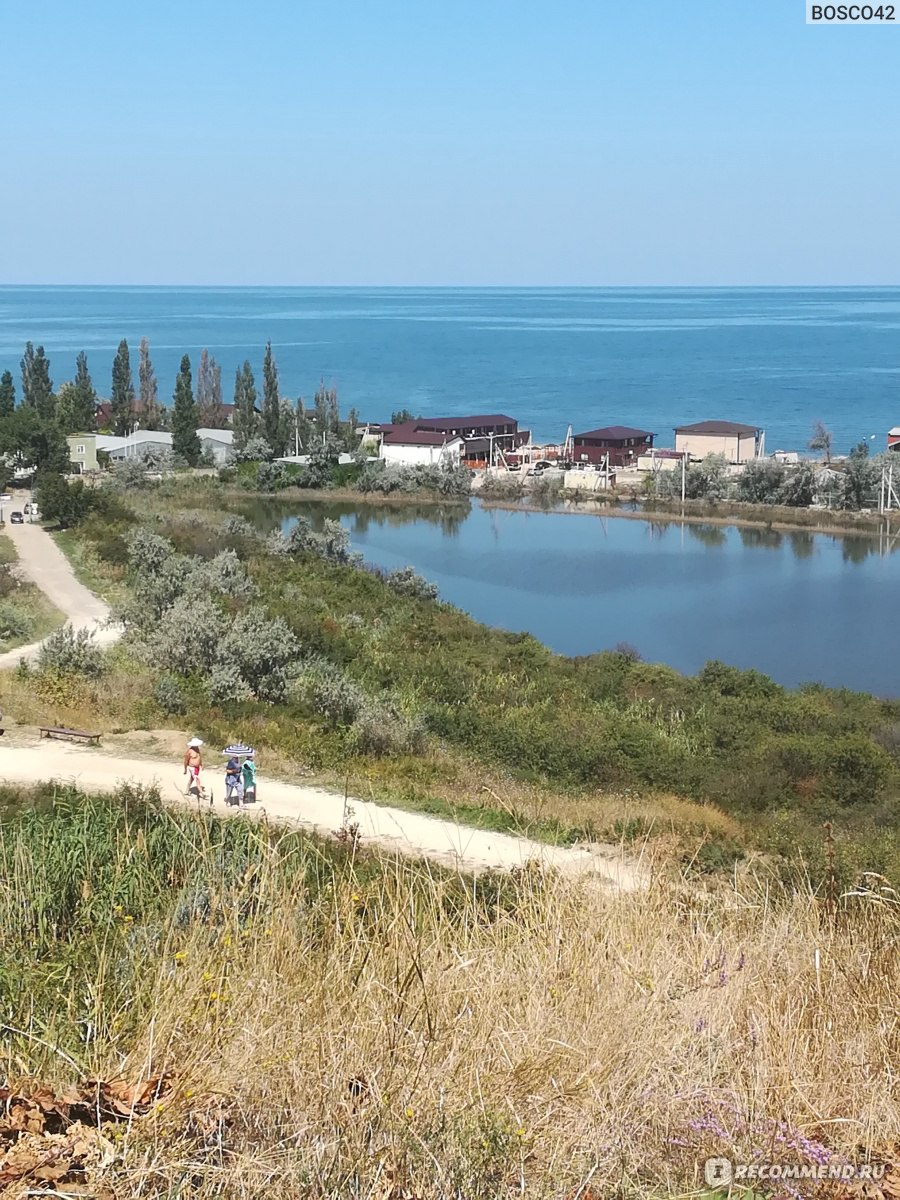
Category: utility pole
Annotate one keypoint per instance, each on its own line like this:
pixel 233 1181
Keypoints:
pixel 683 473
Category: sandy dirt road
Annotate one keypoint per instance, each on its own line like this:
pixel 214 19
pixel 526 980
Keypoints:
pixel 458 846
pixel 42 561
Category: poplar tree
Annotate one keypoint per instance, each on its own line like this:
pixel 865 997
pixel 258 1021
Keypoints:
pixel 210 413
pixel 287 427
pixel 37 387
pixel 306 430
pixel 203 385
pixel 244 421
pixel 7 394
pixel 217 413
pixel 151 411
pixel 76 403
pixel 273 424
pixel 122 394
pixel 85 397
pixel 185 443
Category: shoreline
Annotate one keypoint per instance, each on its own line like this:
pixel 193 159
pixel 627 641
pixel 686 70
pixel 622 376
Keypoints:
pixel 685 517
pixel 868 525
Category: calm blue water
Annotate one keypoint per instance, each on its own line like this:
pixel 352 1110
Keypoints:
pixel 779 358
pixel 801 607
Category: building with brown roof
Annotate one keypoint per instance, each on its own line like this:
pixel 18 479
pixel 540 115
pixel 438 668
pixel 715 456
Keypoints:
pixel 622 443
pixel 481 437
pixel 739 443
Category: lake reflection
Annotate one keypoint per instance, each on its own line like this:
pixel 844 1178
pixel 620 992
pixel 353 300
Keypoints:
pixel 800 606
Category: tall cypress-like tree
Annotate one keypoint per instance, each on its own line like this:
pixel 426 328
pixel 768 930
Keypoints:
pixel 271 412
pixel 85 397
pixel 210 413
pixel 151 415
pixel 7 394
pixel 122 394
pixel 217 419
pixel 37 386
pixel 185 443
pixel 244 422
pixel 204 386
pixel 76 402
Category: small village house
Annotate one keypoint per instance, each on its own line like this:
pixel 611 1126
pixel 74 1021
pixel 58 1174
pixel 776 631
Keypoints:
pixel 622 443
pixel 481 438
pixel 893 438
pixel 84 450
pixel 407 446
pixel 739 443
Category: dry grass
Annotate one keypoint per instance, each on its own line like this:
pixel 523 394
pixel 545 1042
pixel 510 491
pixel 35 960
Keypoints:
pixel 372 1046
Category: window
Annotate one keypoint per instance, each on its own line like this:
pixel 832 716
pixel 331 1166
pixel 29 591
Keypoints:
pixel 79 449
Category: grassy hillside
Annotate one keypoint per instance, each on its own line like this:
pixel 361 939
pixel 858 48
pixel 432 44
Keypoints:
pixel 337 1025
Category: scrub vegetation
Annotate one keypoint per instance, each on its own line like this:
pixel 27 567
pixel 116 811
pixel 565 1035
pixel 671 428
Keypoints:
pixel 365 678
pixel 316 1019
pixel 322 1022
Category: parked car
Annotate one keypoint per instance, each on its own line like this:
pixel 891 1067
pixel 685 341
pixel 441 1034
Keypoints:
pixel 514 467
pixel 16 518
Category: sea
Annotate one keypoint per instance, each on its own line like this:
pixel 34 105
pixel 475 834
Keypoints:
pixel 778 358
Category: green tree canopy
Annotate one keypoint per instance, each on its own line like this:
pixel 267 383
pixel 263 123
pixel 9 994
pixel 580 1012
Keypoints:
pixel 185 443
pixel 76 402
pixel 37 386
pixel 821 440
pixel 151 413
pixel 7 394
pixel 33 442
pixel 210 413
pixel 122 394
pixel 275 430
pixel 63 503
pixel 245 421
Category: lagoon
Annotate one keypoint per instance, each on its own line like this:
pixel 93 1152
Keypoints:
pixel 802 607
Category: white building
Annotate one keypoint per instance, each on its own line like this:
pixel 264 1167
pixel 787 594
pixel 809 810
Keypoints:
pixel 408 447
pixel 145 441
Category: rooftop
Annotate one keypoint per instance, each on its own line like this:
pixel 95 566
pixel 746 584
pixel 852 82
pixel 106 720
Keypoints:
pixel 412 433
pixel 616 433
pixel 464 422
pixel 718 428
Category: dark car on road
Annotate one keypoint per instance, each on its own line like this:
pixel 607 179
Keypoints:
pixel 16 518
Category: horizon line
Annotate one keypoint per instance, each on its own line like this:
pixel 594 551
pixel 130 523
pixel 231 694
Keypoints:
pixel 569 287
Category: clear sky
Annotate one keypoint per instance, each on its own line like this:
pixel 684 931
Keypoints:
pixel 438 142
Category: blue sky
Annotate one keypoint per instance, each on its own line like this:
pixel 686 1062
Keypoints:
pixel 474 142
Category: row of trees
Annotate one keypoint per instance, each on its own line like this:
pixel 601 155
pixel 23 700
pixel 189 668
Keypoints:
pixel 34 428
pixel 281 427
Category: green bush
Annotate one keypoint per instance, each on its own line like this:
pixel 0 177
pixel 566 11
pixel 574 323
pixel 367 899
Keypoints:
pixel 68 651
pixel 15 623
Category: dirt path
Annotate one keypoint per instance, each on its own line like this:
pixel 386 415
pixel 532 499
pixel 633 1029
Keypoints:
pixel 30 761
pixel 42 561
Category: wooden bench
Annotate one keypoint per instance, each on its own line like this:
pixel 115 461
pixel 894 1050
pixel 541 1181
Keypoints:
pixel 49 731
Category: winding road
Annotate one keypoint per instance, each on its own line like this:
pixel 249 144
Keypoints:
pixel 42 561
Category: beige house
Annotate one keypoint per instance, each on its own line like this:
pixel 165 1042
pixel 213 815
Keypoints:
pixel 83 449
pixel 739 443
